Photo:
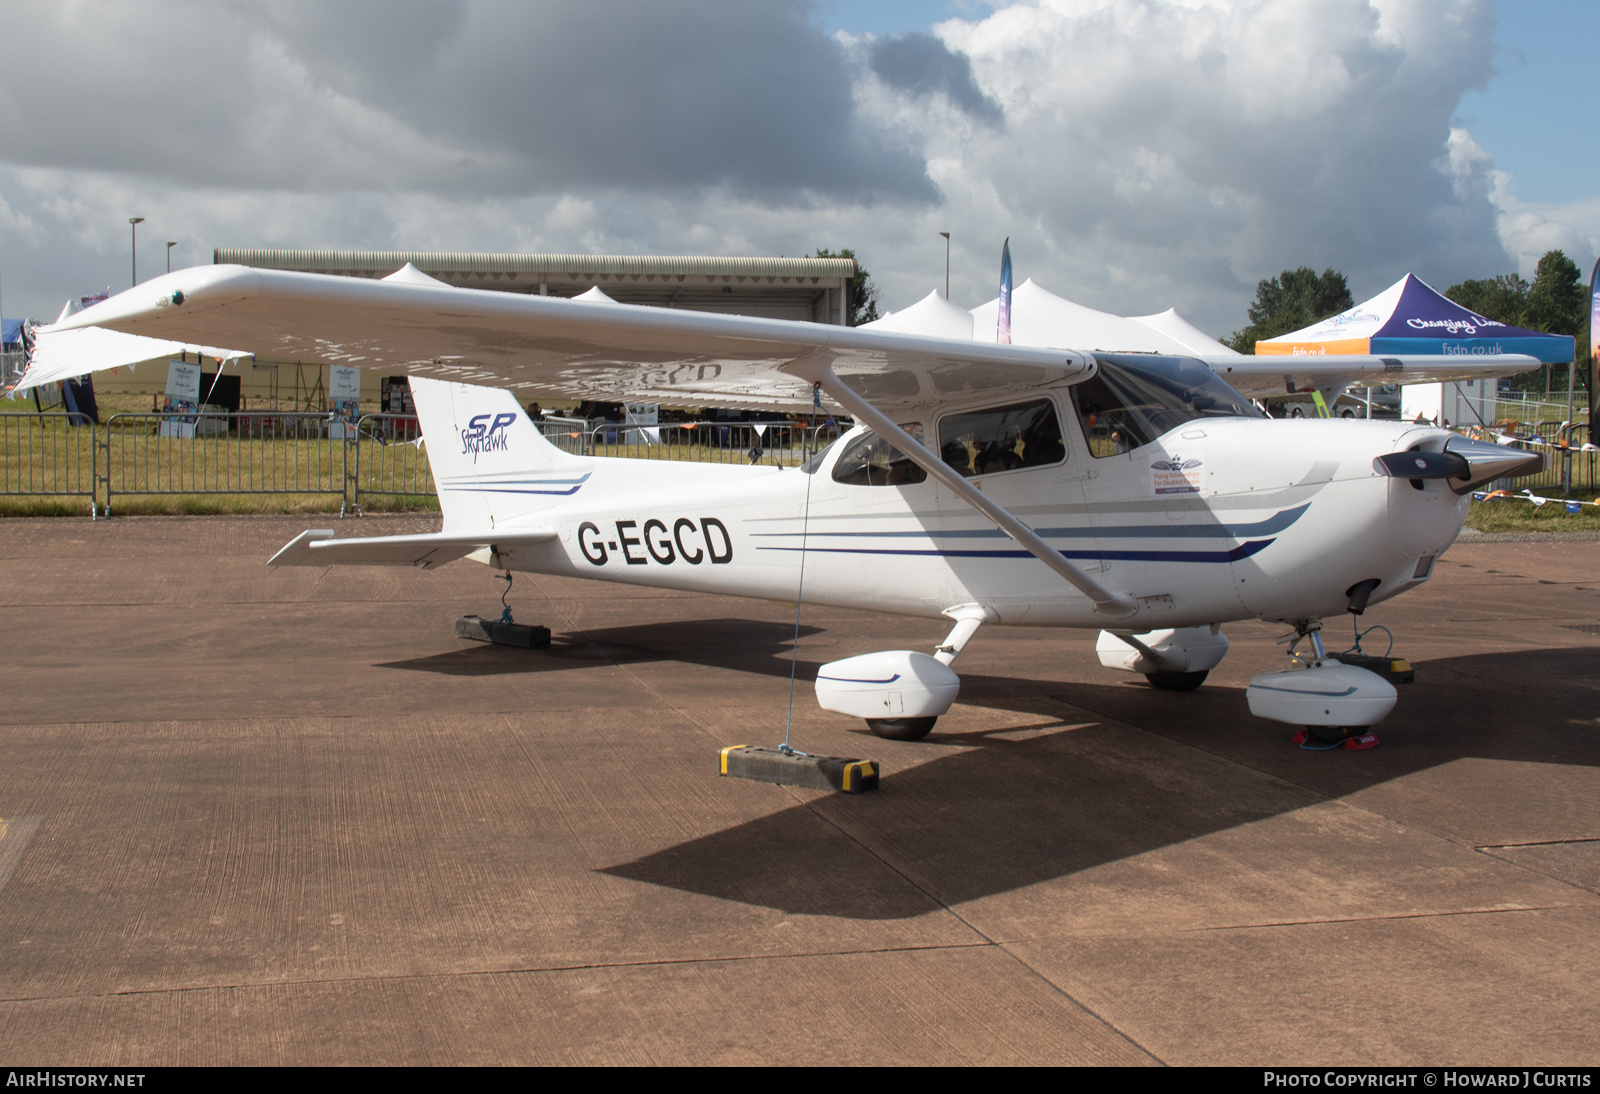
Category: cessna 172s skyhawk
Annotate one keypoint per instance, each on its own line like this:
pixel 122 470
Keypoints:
pixel 1138 495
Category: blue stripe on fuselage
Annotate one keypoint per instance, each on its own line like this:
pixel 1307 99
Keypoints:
pixel 519 486
pixel 1244 550
pixel 1271 526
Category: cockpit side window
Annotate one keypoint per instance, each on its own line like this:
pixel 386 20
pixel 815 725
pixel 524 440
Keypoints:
pixel 869 460
pixel 1002 438
pixel 1131 402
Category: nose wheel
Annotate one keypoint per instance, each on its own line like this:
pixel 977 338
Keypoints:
pixel 902 729
pixel 1176 681
pixel 1326 738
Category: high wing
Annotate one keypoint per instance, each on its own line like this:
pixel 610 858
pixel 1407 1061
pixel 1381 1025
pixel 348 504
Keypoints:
pixel 1286 374
pixel 545 346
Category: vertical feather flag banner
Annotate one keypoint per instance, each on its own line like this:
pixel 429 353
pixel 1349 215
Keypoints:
pixel 1594 349
pixel 1594 323
pixel 1003 331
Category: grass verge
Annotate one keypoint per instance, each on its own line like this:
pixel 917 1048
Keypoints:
pixel 1514 515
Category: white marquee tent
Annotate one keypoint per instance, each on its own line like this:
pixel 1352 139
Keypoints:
pixel 1041 318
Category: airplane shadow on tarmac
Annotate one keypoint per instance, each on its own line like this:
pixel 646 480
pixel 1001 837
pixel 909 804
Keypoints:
pixel 743 644
pixel 1107 772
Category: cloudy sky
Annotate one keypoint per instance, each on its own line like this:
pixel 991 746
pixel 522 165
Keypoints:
pixel 1140 155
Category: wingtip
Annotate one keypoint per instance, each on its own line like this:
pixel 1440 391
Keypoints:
pixel 297 552
pixel 181 289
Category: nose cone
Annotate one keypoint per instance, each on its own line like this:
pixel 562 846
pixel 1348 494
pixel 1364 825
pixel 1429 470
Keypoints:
pixel 1463 464
pixel 1487 462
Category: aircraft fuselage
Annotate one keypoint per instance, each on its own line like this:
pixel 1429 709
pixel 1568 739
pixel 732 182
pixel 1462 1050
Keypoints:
pixel 1221 519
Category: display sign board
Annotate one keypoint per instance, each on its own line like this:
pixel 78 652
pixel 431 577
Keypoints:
pixel 182 401
pixel 344 382
pixel 642 414
pixel 344 389
pixel 396 395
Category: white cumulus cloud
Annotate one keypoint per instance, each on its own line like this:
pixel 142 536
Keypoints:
pixel 1138 154
pixel 1529 230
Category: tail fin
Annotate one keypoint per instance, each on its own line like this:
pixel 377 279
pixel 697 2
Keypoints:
pixel 490 463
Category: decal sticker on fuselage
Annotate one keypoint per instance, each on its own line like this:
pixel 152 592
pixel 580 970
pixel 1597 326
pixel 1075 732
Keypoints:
pixel 1177 473
pixel 487 433
pixel 657 542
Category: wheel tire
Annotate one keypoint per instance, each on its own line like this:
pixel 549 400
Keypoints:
pixel 1333 735
pixel 901 729
pixel 1296 412
pixel 1176 681
pixel 1347 414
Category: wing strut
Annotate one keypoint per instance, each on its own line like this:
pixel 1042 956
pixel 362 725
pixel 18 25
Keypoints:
pixel 1116 605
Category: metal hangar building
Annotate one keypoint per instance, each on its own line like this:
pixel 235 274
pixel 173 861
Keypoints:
pixel 813 290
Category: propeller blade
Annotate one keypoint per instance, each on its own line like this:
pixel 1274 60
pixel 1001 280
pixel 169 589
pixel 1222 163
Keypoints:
pixel 1422 465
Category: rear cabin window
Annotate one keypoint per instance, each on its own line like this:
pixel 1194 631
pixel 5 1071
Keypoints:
pixel 1002 438
pixel 869 460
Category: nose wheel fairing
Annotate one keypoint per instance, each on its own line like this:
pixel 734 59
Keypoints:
pixel 1327 694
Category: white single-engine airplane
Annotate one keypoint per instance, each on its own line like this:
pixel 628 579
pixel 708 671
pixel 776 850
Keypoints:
pixel 1134 494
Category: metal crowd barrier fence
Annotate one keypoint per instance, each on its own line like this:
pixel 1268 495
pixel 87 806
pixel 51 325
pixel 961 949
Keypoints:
pixel 1517 406
pixel 48 455
pixel 571 435
pixel 1572 462
pixel 253 453
pixel 248 452
pixel 779 444
pixel 12 363
pixel 387 459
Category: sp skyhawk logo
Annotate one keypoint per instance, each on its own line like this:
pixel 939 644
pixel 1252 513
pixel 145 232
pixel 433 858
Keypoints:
pixel 485 435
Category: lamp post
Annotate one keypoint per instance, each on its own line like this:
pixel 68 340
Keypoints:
pixel 171 243
pixel 133 227
pixel 946 264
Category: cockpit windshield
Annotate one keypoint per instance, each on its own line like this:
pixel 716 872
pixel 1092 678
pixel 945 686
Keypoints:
pixel 1133 399
pixel 815 461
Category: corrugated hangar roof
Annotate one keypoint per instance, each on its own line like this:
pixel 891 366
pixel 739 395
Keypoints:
pixel 811 289
pixel 382 263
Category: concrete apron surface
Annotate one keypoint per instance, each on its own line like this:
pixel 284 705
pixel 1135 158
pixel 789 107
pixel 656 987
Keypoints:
pixel 256 816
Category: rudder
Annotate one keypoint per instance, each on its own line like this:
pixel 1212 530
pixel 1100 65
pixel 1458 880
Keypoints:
pixel 490 463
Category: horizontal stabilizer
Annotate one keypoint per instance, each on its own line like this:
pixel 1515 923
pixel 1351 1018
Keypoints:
pixel 317 547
